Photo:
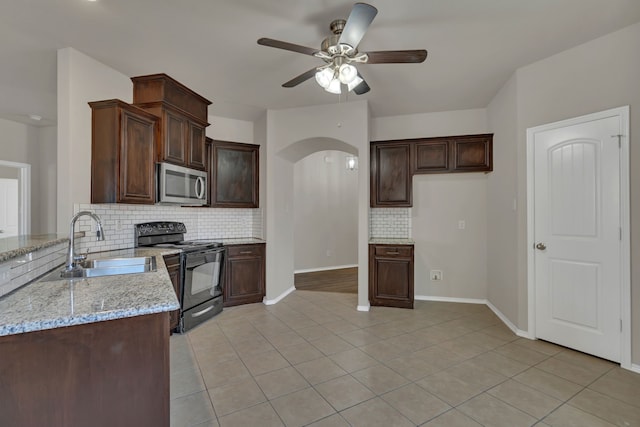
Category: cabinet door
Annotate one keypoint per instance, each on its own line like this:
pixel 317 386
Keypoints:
pixel 390 175
pixel 391 276
pixel 175 131
pixel 137 162
pixel 430 156
pixel 473 154
pixel 234 175
pixel 173 268
pixel 245 275
pixel 196 146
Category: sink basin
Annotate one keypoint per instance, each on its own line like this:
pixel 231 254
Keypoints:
pixel 106 267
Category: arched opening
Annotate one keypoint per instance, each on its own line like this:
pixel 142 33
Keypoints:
pixel 325 209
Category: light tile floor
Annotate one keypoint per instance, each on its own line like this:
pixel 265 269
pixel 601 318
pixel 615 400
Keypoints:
pixel 312 359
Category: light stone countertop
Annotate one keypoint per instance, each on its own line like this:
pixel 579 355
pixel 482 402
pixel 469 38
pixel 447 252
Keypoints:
pixel 240 241
pixel 390 241
pixel 12 247
pixel 66 302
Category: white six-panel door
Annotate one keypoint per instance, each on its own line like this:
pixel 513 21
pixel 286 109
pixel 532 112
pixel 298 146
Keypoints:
pixel 578 236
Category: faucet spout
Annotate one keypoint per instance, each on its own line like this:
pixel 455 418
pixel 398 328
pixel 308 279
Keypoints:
pixel 70 264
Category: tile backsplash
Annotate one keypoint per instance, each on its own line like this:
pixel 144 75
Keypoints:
pixel 201 223
pixel 390 222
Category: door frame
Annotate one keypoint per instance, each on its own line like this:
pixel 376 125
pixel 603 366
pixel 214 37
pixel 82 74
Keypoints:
pixel 24 192
pixel 625 244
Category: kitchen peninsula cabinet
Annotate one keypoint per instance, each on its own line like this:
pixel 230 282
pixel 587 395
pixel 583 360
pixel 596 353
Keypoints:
pixel 183 118
pixel 244 274
pixel 390 174
pixel 233 174
pixel 172 262
pixel 102 374
pixel 122 153
pixel 391 275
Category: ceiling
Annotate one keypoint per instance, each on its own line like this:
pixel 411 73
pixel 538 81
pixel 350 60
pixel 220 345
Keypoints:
pixel 210 46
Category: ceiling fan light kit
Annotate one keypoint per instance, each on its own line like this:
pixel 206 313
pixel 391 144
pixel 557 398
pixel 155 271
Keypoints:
pixel 339 52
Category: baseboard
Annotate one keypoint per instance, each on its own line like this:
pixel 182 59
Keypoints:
pixel 364 307
pixel 635 368
pixel 450 299
pixel 334 267
pixel 509 323
pixel 266 301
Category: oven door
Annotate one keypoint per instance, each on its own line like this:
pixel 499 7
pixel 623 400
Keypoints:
pixel 202 278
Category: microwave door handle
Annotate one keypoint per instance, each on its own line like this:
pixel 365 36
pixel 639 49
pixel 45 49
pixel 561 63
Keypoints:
pixel 200 193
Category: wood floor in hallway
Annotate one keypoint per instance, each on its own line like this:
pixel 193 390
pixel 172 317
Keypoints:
pixel 343 280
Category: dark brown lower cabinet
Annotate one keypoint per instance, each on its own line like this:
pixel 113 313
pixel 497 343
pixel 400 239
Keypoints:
pixel 244 274
pixel 391 275
pixel 173 268
pixel 102 374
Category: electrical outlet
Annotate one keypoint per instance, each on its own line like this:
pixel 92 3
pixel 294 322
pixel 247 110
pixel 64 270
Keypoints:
pixel 118 225
pixel 436 275
pixel 329 253
pixel 462 224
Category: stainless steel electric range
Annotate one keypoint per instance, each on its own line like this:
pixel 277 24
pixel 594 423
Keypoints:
pixel 201 264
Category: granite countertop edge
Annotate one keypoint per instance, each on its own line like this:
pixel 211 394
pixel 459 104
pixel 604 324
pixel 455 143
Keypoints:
pixel 42 305
pixel 391 241
pixel 31 244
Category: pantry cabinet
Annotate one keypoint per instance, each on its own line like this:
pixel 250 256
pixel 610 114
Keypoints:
pixel 244 274
pixel 122 153
pixel 391 275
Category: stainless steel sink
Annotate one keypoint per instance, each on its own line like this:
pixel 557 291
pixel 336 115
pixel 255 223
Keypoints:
pixel 105 267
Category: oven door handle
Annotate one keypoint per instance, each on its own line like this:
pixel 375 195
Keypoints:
pixel 200 193
pixel 206 310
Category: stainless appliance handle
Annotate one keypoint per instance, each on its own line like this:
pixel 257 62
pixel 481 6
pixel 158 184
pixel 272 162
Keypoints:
pixel 206 310
pixel 200 194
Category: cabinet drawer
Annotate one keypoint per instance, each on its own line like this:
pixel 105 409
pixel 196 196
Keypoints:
pixel 396 251
pixel 245 250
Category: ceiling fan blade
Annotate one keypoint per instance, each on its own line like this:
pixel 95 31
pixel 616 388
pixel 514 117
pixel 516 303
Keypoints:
pixel 362 88
pixel 396 56
pixel 301 78
pixel 359 20
pixel 287 46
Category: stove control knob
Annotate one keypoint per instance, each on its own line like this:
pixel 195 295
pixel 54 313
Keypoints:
pixel 181 228
pixel 171 227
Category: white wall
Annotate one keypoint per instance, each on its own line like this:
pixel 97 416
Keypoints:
pixel 502 220
pixel 291 135
pixel 81 79
pixel 36 146
pixel 595 76
pixel 439 202
pixel 325 196
pixel 224 129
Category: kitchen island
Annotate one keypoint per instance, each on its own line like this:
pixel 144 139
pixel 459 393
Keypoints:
pixel 88 351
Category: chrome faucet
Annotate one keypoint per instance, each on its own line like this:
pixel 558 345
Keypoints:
pixel 71 256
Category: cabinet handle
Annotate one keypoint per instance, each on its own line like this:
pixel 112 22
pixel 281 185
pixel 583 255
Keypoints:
pixel 246 252
pixel 393 253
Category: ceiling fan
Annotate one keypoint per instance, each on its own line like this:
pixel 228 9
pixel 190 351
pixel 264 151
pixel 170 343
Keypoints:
pixel 339 51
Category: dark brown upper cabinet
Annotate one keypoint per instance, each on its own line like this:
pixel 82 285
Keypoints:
pixel 393 163
pixel 390 174
pixel 183 118
pixel 233 174
pixel 122 153
pixel 468 153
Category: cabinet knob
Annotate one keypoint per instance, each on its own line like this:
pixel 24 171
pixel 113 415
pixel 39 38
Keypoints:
pixel 541 246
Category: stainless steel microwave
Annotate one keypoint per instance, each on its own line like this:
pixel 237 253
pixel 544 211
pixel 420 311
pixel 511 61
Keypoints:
pixel 178 185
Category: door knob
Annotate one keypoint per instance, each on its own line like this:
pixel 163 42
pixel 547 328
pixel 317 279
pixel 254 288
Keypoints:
pixel 541 246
